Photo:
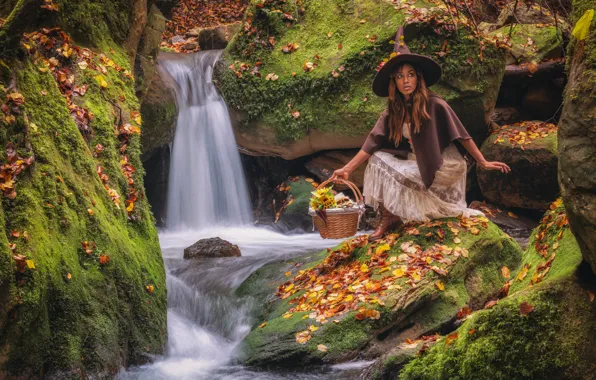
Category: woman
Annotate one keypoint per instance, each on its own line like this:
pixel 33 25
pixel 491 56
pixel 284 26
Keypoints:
pixel 425 177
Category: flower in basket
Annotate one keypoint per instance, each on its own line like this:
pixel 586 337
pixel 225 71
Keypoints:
pixel 322 199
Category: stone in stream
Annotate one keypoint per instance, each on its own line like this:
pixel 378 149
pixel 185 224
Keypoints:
pixel 393 313
pixel 211 248
pixel 532 183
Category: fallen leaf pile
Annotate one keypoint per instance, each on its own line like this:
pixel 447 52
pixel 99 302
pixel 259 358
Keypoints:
pixel 524 132
pixel 10 171
pixel 342 283
pixel 549 233
pixel 63 59
pixel 180 33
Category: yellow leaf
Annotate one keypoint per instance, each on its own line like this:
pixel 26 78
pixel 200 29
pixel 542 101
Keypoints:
pixel 289 287
pixel 130 207
pixel 322 348
pixel 288 274
pixel 364 268
pixel 440 285
pixel 505 272
pixel 101 81
pixel 399 272
pixel 382 248
pixel 262 325
pixel 30 264
pixel 90 212
pixel 287 315
pixel 416 276
pixel 456 240
pixel 313 328
pixel 580 31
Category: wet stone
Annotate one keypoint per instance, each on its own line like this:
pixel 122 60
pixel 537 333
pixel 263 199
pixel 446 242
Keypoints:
pixel 211 247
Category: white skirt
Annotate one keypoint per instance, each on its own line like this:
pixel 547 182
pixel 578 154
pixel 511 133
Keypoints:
pixel 397 184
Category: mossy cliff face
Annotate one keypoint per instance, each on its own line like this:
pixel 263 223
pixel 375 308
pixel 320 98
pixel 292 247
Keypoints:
pixel 545 328
pixel 577 152
pixel 82 282
pixel 319 95
pixel 377 293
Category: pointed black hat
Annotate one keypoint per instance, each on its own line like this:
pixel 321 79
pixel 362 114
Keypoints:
pixel 429 67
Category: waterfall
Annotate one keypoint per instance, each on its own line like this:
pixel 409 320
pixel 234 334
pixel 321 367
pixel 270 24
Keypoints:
pixel 207 186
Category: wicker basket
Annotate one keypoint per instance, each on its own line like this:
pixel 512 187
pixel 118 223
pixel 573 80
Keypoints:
pixel 341 223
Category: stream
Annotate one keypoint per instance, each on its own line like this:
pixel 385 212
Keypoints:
pixel 208 197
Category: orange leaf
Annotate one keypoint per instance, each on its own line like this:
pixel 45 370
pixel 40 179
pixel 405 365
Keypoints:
pixel 525 308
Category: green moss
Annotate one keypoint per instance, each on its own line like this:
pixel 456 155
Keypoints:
pixel 501 343
pixel 470 282
pixel 545 41
pixel 350 107
pixel 102 317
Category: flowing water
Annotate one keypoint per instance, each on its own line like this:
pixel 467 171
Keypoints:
pixel 206 184
pixel 208 198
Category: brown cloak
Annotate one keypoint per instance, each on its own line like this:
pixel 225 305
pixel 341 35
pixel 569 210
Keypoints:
pixel 435 135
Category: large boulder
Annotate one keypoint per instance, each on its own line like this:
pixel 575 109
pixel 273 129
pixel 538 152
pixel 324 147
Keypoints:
pixel 530 149
pixel 210 248
pixel 82 279
pixel 360 299
pixel 531 43
pixel 532 333
pixel 577 151
pixel 299 81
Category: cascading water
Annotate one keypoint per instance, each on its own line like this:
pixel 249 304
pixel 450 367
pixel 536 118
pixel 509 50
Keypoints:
pixel 207 197
pixel 206 184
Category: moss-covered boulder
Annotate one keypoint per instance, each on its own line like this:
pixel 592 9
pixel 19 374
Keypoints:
pixel 530 149
pixel 82 281
pixel 291 204
pixel 358 298
pixel 297 78
pixel 576 136
pixel 534 332
pixel 531 43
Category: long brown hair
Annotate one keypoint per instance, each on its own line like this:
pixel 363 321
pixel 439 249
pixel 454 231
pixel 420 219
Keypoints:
pixel 397 105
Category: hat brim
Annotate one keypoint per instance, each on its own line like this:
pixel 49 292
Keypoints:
pixel 430 69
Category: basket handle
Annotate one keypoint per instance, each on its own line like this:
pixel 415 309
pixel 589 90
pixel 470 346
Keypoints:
pixel 354 188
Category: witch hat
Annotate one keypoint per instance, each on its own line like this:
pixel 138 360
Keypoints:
pixel 430 68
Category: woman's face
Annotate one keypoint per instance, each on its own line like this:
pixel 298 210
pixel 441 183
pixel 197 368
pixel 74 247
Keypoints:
pixel 406 79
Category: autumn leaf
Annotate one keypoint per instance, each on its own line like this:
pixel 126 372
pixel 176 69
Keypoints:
pixel 581 28
pixel 450 338
pixel 591 296
pixel 440 285
pixel 104 260
pixel 262 325
pixel 523 272
pixel 303 337
pixel 505 272
pixel 149 288
pixel 382 248
pixel 322 348
pixel 101 81
pixel 525 308
pixel 490 304
pixel 30 264
pixel 90 212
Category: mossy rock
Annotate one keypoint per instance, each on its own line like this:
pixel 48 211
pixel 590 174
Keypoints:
pixel 295 215
pixel 532 182
pixel 404 312
pixel 576 151
pixel 502 342
pixel 347 40
pixel 546 42
pixel 74 312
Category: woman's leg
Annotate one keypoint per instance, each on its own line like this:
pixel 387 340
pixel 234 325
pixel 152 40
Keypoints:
pixel 388 221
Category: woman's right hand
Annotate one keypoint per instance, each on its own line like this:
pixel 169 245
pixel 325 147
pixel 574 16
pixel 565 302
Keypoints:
pixel 343 173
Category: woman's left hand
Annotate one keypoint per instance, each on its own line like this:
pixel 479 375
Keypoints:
pixel 495 165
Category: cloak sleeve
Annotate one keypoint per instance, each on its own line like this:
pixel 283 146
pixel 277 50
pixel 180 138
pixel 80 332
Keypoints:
pixel 449 126
pixel 443 128
pixel 378 135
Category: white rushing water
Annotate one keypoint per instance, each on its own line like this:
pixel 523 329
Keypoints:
pixel 208 198
pixel 206 185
